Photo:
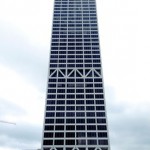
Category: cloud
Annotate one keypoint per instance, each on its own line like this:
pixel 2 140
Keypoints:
pixel 22 136
pixel 18 53
pixel 9 108
pixel 31 17
pixel 128 125
pixel 23 104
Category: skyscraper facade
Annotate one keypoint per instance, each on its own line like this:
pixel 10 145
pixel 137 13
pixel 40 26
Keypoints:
pixel 75 114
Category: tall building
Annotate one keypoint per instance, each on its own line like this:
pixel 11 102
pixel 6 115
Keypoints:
pixel 75 115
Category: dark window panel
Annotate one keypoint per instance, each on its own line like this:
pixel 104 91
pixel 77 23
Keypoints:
pixel 59 142
pixel 80 127
pixel 70 120
pixel 91 134
pixel 48 135
pixel 59 134
pixel 102 134
pixel 80 134
pixel 70 134
pixel 91 127
pixel 92 142
pixel 60 127
pixel 48 127
pixel 70 127
pixel 50 121
pixel 48 142
pixel 70 142
pixel 81 142
pixel 101 127
pixel 103 142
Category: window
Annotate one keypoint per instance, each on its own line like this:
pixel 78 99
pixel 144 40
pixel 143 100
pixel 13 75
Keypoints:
pixel 90 120
pixel 92 142
pixel 50 108
pixel 51 102
pixel 99 96
pixel 100 114
pixel 81 142
pixel 59 127
pixel 91 127
pixel 50 114
pixel 60 96
pixel 70 80
pixel 80 114
pixel 71 96
pixel 80 134
pixel 70 120
pixel 60 114
pixel 51 96
pixel 59 142
pixel 70 114
pixel 102 134
pixel 60 90
pixel 48 142
pixel 101 120
pixel 60 121
pixel 79 96
pixel 70 107
pixel 48 127
pixel 70 101
pixel 51 85
pixel 101 127
pixel 79 101
pixel 79 107
pixel 61 80
pixel 70 127
pixel 80 120
pixel 103 142
pixel 97 80
pixel 49 121
pixel 89 101
pixel 98 90
pixel 79 127
pixel 70 134
pixel 90 114
pixel 70 142
pixel 88 80
pixel 99 101
pixel 59 134
pixel 89 85
pixel 60 102
pixel 79 90
pixel 100 108
pixel 90 107
pixel 91 134
pixel 60 108
pixel 60 85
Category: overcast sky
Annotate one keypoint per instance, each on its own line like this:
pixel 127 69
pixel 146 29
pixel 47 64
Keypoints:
pixel 25 29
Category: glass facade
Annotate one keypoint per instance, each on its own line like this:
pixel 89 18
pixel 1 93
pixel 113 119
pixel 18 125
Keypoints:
pixel 75 117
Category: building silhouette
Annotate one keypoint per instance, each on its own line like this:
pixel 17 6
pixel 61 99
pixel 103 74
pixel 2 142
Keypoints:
pixel 75 114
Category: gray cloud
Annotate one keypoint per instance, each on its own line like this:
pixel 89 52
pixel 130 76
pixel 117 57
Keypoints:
pixel 129 127
pixel 31 63
pixel 18 53
pixel 21 136
pixel 9 108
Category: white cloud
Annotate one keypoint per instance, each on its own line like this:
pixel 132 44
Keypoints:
pixel 23 94
pixel 22 104
pixel 31 17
